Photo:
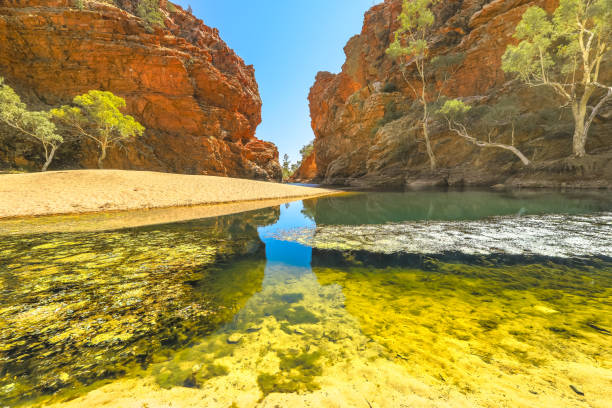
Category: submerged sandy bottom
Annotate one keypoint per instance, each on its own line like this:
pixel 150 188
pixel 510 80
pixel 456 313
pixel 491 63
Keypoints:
pixel 267 309
pixel 84 191
pixel 367 347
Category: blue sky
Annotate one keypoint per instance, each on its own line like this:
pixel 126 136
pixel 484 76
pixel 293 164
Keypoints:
pixel 288 42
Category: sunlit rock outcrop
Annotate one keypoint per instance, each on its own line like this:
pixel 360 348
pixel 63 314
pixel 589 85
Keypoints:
pixel 366 127
pixel 198 100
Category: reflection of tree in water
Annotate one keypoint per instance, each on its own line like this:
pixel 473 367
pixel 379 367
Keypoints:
pixel 380 208
pixel 80 307
pixel 494 326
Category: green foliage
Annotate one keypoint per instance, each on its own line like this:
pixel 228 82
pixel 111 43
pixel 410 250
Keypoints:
pixel 565 52
pixel 390 87
pixel 307 150
pixel 150 13
pixel 97 116
pixel 286 166
pixel 35 125
pixel 552 46
pixel 415 21
pixel 454 109
pixel 393 112
pixel 537 35
pixel 298 372
pixel 456 113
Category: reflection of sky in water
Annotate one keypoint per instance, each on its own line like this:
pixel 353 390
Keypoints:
pixel 279 252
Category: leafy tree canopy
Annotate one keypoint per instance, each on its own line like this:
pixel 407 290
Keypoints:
pixel 34 125
pixel 565 53
pixel 97 115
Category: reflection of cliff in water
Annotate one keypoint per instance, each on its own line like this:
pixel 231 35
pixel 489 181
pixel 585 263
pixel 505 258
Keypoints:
pixel 80 307
pixel 486 326
pixel 380 208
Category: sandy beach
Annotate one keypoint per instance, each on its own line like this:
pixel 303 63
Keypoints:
pixel 90 191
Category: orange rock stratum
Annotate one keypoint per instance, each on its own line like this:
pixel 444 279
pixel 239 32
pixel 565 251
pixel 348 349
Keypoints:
pixel 367 129
pixel 198 100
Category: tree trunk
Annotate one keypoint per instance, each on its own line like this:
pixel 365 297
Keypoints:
pixel 462 131
pixel 580 138
pixel 514 150
pixel 430 153
pixel 49 158
pixel 579 109
pixel 102 157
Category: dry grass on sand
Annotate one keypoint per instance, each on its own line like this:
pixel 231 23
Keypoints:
pixel 85 191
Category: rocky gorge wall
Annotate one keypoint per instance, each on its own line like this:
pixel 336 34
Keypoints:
pixel 366 126
pixel 197 99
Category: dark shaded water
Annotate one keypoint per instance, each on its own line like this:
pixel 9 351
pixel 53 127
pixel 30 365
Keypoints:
pixel 387 299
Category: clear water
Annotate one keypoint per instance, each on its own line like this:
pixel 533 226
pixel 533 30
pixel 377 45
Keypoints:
pixel 379 299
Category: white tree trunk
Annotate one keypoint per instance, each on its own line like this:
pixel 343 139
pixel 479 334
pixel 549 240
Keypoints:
pixel 430 152
pixel 462 131
pixel 49 158
pixel 102 157
pixel 580 136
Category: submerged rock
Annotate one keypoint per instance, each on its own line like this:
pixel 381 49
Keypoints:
pixel 562 236
pixel 234 338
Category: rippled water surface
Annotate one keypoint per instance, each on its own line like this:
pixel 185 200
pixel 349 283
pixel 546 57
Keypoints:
pixel 431 299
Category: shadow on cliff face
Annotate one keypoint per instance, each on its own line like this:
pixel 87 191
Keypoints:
pixel 81 307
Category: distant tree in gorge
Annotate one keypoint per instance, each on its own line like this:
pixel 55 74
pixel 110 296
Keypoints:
pixel 307 150
pixel 97 116
pixel 456 112
pixel 35 125
pixel 294 167
pixel 412 47
pixel 286 167
pixel 565 53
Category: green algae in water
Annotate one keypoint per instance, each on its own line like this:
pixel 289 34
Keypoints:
pixel 292 297
pixel 77 308
pixel 475 326
pixel 298 371
pixel 364 328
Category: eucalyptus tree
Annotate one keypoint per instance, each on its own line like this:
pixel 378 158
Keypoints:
pixel 97 116
pixel 36 126
pixel 411 46
pixel 565 52
pixel 455 112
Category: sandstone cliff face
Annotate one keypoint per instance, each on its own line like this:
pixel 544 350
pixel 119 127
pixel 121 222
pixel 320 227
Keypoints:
pixel 198 100
pixel 307 170
pixel 366 126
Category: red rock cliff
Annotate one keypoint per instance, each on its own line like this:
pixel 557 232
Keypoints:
pixel 198 100
pixel 367 133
